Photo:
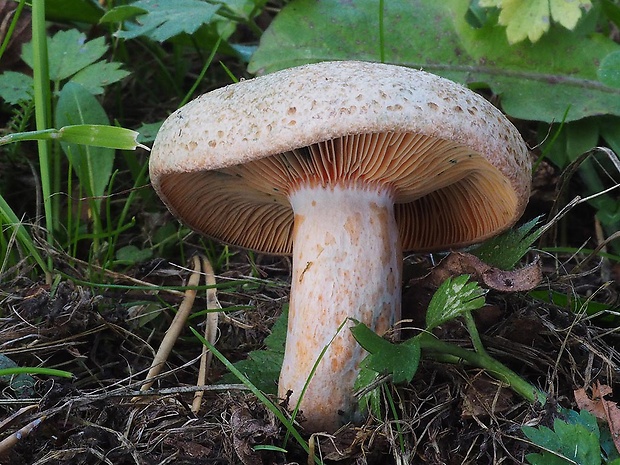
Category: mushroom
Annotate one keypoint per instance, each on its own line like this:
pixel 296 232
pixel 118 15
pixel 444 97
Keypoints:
pixel 343 165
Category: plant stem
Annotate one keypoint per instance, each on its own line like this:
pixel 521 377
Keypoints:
pixel 473 333
pixel 43 111
pixel 481 360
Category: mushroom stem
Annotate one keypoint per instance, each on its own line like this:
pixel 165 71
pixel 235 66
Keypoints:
pixel 347 263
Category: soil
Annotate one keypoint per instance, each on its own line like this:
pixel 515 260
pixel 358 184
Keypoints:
pixel 106 337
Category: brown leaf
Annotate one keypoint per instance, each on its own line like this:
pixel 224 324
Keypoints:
pixel 458 263
pixel 602 409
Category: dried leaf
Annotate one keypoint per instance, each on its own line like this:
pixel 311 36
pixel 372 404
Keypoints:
pixel 458 263
pixel 602 409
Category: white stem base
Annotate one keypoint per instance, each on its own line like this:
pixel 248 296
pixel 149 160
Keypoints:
pixel 347 263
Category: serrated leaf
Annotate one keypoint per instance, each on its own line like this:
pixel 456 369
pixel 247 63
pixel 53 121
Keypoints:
pixel 535 81
pixel 531 18
pixel 15 87
pixel 68 53
pixel 92 165
pixel 505 250
pixel 94 77
pixel 399 360
pixel 168 19
pixel 148 132
pixel 454 297
pixel 575 440
pixel 523 19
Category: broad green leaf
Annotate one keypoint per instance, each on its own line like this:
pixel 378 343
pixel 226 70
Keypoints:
pixel 15 87
pixel 531 18
pixel 168 19
pixel 609 71
pixel 92 165
pixel 399 360
pixel 68 52
pixel 454 297
pixel 575 139
pixel 505 250
pixel 535 81
pixel 84 11
pixel 98 75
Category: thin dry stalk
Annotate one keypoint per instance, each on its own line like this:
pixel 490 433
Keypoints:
pixel 9 442
pixel 177 325
pixel 210 331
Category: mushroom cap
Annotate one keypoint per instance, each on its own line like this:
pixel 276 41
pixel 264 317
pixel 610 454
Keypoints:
pixel 457 169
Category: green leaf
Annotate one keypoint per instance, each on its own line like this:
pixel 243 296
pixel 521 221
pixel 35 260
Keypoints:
pixel 148 131
pixel 83 11
pixel 130 254
pixel 570 302
pixel 262 367
pixel 535 81
pixel 92 165
pixel 94 77
pixel 575 139
pixel 505 251
pixel 371 400
pixel 575 440
pixel 122 13
pixel 454 297
pixel 609 71
pixel 168 19
pixel 16 87
pixel 98 135
pixel 68 53
pixel 531 18
pixel 21 383
pixel 399 360
pixel 476 15
pixel 611 11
